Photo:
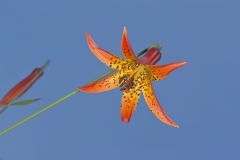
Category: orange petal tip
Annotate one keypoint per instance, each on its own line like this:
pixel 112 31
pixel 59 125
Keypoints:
pixel 125 120
pixel 177 65
pixel 124 35
pixel 124 30
pixel 180 64
pixel 184 63
pixel 176 126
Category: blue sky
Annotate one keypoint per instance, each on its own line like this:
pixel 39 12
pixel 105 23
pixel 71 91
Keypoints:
pixel 202 97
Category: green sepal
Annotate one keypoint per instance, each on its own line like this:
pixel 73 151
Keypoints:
pixel 24 102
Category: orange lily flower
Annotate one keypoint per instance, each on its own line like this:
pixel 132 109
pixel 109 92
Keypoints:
pixel 21 88
pixel 133 76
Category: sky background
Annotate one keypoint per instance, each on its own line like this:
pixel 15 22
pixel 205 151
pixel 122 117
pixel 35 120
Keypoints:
pixel 202 97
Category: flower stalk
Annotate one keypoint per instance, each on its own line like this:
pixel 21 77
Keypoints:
pixel 21 88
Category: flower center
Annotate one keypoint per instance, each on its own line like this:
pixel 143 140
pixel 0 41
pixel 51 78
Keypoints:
pixel 132 80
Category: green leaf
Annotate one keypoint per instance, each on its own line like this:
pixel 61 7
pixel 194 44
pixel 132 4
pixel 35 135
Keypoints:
pixel 24 102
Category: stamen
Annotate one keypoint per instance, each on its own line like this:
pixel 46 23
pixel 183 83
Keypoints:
pixel 122 80
pixel 128 83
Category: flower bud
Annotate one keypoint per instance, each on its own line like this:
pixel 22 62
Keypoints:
pixel 152 56
pixel 23 86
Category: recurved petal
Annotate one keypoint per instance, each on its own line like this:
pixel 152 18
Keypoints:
pixel 105 84
pixel 155 106
pixel 126 46
pixel 129 102
pixel 161 72
pixel 104 56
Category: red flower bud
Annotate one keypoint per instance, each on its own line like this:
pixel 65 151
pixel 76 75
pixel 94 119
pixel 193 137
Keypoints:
pixel 23 86
pixel 152 56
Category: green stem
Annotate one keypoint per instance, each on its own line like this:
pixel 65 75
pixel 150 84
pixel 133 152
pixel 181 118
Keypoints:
pixel 58 101
pixel 39 112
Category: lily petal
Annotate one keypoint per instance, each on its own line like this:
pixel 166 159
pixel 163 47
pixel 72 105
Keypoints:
pixel 155 106
pixel 105 84
pixel 126 46
pixel 129 103
pixel 107 58
pixel 161 72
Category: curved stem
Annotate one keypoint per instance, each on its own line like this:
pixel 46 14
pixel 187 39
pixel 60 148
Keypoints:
pixel 58 101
